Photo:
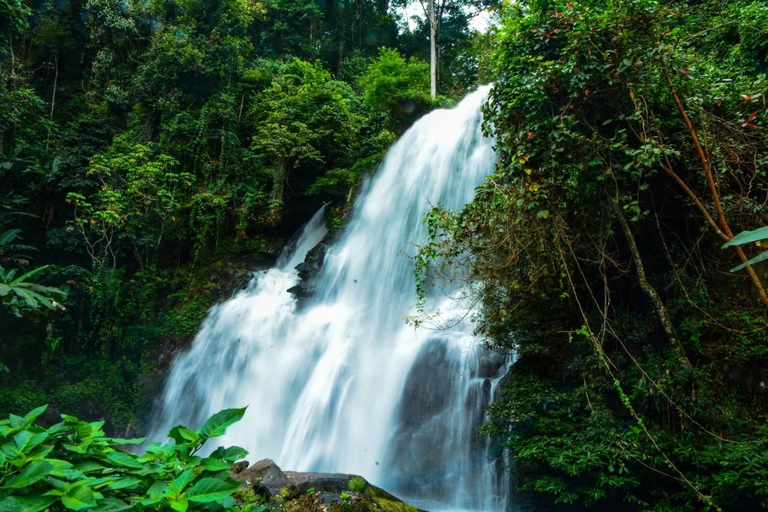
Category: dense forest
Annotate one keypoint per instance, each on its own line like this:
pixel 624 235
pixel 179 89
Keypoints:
pixel 149 151
pixel 143 144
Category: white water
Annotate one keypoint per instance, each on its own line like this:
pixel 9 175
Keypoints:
pixel 341 383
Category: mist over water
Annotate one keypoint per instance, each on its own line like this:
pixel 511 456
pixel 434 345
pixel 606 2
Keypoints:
pixel 340 383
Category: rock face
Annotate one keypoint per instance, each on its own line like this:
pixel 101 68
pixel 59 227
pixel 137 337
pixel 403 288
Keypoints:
pixel 293 491
pixel 308 269
pixel 265 478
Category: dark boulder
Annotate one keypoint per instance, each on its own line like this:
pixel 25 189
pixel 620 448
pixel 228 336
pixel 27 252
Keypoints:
pixel 265 478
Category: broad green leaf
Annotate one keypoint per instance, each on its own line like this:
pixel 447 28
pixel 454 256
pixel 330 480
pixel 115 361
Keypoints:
pixel 60 467
pixel 32 415
pixel 78 498
pixel 84 430
pixel 87 466
pixel 180 483
pixel 213 464
pixel 57 429
pixel 32 472
pixel 27 503
pixel 16 421
pixel 110 504
pixel 155 493
pixel 757 259
pixel 118 441
pixel 180 434
pixel 39 452
pixel 74 448
pixel 157 489
pixel 26 440
pixel 123 483
pixel 10 450
pixel 218 423
pixel 231 454
pixel 211 489
pixel 746 237
pixel 123 459
pixel 180 504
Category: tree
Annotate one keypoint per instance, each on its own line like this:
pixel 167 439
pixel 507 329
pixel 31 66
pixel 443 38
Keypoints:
pixel 397 86
pixel 445 25
pixel 302 120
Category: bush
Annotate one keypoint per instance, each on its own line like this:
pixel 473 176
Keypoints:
pixel 73 465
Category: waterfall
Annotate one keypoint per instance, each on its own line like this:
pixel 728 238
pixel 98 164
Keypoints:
pixel 339 382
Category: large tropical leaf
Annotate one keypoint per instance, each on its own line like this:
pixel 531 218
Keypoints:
pixel 78 498
pixel 746 237
pixel 32 472
pixel 218 423
pixel 757 259
pixel 211 489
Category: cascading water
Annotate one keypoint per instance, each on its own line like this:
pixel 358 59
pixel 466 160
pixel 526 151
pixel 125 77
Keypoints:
pixel 341 383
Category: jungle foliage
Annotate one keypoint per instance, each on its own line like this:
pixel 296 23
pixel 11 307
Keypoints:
pixel 142 144
pixel 72 465
pixel 633 145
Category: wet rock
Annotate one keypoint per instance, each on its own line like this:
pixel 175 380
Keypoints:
pixel 309 269
pixel 265 478
pixel 320 482
pixel 239 467
pixel 294 491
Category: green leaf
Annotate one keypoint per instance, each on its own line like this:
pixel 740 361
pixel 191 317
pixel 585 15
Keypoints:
pixel 123 483
pixel 181 434
pixel 78 498
pixel 218 423
pixel 155 492
pixel 180 483
pixel 231 454
pixel 74 448
pixel 211 489
pixel 119 441
pixel 27 503
pixel 32 415
pixel 87 466
pixel 123 459
pixel 84 430
pixel 16 421
pixel 26 440
pixel 32 472
pixel 62 468
pixel 213 464
pixel 57 429
pixel 180 503
pixel 748 236
pixel 757 259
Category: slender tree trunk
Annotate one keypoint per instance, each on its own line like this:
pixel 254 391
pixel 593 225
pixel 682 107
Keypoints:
pixel 13 57
pixel 432 49
pixel 650 291
pixel 342 36
pixel 55 84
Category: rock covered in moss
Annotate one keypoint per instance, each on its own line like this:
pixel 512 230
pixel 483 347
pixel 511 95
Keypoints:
pixel 293 491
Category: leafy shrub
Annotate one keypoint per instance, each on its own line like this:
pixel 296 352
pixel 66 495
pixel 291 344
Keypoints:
pixel 73 465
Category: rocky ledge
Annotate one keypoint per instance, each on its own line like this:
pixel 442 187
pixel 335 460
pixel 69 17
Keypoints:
pixel 266 484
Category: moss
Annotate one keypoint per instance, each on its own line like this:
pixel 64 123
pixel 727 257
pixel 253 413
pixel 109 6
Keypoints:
pixel 388 505
pixel 357 484
pixel 246 496
pixel 286 493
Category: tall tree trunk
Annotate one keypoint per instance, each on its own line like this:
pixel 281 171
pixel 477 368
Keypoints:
pixel 432 49
pixel 661 310
pixel 342 36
